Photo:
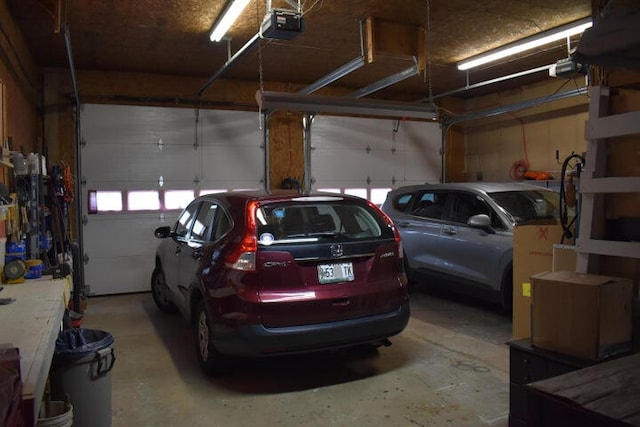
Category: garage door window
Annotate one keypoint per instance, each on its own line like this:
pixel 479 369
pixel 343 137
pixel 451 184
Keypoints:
pixel 379 195
pixel 376 196
pixel 105 201
pixel 143 200
pixel 177 199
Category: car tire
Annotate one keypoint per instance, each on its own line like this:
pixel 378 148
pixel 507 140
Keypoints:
pixel 210 360
pixel 160 291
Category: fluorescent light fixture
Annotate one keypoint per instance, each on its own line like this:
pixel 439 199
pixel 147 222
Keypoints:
pixel 528 43
pixel 229 15
pixel 343 105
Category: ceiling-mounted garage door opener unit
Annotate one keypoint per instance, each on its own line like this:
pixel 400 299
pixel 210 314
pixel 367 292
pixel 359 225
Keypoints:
pixel 282 24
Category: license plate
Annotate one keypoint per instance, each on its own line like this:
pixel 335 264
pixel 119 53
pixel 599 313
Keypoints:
pixel 331 273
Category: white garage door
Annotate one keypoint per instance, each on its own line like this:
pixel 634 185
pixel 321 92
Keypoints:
pixel 139 167
pixel 367 157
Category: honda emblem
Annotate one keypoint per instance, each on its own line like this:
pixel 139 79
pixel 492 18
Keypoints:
pixel 337 251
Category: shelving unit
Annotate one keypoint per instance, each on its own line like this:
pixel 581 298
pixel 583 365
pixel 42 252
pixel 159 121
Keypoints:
pixel 32 198
pixel 594 182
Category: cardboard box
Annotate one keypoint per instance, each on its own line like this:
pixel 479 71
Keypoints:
pixel 532 254
pixel 583 315
pixel 565 258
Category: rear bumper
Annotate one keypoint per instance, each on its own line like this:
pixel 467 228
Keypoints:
pixel 257 340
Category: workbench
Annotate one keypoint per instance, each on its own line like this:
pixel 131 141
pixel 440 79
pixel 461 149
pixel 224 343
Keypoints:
pixel 528 364
pixel 31 323
pixel 602 395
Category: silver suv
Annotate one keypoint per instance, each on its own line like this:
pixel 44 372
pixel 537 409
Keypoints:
pixel 462 233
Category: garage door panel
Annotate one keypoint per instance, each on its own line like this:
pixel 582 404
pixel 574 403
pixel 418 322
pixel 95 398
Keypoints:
pixel 130 235
pixel 118 123
pixel 422 166
pixel 349 150
pixel 139 162
pixel 116 275
pixel 122 153
pixel 348 131
pixel 338 164
pixel 234 161
pixel 116 185
pixel 220 127
pixel 230 185
pixel 381 163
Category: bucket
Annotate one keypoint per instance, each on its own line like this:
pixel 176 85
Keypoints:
pixel 56 414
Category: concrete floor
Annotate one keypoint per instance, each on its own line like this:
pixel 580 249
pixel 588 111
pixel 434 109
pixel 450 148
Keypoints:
pixel 448 368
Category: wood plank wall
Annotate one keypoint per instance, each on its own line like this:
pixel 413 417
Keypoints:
pixel 22 80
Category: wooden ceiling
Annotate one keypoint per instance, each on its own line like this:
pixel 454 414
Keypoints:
pixel 171 37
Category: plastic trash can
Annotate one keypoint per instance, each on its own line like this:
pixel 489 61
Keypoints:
pixel 80 369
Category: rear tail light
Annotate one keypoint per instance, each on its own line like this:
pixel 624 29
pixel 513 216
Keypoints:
pixel 244 257
pixel 390 223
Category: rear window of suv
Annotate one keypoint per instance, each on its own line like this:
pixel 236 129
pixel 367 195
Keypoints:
pixel 530 205
pixel 307 223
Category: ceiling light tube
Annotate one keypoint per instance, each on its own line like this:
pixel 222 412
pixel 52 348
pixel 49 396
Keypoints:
pixel 231 12
pixel 528 43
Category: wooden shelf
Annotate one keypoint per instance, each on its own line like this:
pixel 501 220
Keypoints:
pixel 594 183
pixel 608 247
pixel 612 126
pixel 610 185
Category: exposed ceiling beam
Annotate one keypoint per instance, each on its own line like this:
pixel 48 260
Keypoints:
pixel 491 81
pixel 516 107
pixel 270 101
pixel 244 49
pixel 387 81
pixel 336 74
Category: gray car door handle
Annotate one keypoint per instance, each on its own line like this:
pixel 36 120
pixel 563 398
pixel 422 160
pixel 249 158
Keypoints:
pixel 449 230
pixel 403 224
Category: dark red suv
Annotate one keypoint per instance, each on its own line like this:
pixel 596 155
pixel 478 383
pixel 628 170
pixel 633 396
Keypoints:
pixel 265 274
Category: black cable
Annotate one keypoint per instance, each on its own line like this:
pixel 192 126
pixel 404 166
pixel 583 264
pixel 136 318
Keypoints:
pixel 566 226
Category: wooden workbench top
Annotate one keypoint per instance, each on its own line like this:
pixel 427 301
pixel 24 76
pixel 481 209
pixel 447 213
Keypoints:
pixel 32 323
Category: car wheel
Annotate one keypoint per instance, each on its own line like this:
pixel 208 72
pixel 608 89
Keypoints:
pixel 160 291
pixel 210 360
pixel 507 290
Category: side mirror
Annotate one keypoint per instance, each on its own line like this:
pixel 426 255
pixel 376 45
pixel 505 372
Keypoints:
pixel 482 222
pixel 162 232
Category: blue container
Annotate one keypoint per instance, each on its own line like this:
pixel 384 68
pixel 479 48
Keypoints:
pixel 34 269
pixel 16 250
pixel 44 243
